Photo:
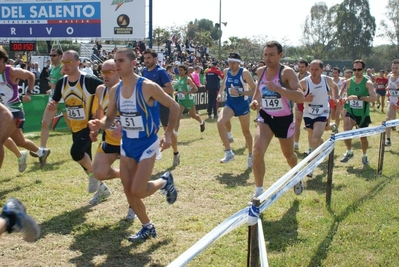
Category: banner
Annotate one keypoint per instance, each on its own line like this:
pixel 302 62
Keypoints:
pixel 34 113
pixel 47 19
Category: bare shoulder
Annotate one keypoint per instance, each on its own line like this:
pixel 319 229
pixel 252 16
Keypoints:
pixel 260 70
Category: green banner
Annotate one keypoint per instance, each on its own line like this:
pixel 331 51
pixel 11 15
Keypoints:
pixel 34 113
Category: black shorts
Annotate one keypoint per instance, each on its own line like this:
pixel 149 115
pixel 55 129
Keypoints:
pixel 104 147
pixel 20 117
pixel 282 127
pixel 164 115
pixel 358 119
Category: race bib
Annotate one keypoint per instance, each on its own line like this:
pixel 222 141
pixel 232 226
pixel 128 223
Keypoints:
pixel 272 103
pixel 316 109
pixel 76 113
pixel 380 86
pixel 181 96
pixel 240 90
pixel 393 92
pixel 131 122
pixel 356 104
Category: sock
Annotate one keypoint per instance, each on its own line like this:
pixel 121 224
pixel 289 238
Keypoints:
pixel 364 155
pixel 39 152
pixel 20 158
pixel 389 139
pixel 175 153
pixel 229 134
pixel 350 151
pixel 148 225
pixel 164 182
pixel 296 143
pixel 258 191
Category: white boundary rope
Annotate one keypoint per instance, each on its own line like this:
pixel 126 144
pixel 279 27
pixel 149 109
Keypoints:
pixel 276 190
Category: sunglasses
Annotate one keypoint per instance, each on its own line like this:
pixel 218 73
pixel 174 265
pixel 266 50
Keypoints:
pixel 53 55
pixel 359 69
pixel 107 72
pixel 66 61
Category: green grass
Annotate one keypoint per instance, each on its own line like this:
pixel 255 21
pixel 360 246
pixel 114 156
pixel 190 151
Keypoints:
pixel 359 229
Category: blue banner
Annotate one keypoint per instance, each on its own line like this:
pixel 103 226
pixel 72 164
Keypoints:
pixel 67 19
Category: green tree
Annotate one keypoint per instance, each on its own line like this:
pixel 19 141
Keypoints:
pixel 390 26
pixel 356 27
pixel 319 30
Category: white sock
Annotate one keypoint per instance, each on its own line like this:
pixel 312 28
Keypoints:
pixel 258 191
pixel 148 225
pixel 39 152
pixel 229 134
pixel 296 144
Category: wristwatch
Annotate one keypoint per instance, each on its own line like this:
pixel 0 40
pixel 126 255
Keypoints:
pixel 358 97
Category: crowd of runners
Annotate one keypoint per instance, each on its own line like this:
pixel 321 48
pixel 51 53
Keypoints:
pixel 127 110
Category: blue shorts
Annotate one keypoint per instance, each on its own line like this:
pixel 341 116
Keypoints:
pixel 20 117
pixel 239 108
pixel 309 122
pixel 381 92
pixel 140 148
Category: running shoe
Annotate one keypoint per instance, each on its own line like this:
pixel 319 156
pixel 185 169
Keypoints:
pixel 93 183
pixel 307 152
pixel 202 126
pixel 296 147
pixel 176 159
pixel 169 188
pixel 33 154
pixel 228 156
pixel 334 128
pixel 298 188
pixel 102 193
pixel 388 142
pixel 22 161
pixel 43 158
pixel 130 215
pixel 143 234
pixel 347 156
pixel 365 161
pixel 310 174
pixel 23 222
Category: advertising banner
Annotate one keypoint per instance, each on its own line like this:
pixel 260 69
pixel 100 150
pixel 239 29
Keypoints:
pixel 47 19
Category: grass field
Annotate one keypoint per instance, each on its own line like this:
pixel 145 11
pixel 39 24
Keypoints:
pixel 359 229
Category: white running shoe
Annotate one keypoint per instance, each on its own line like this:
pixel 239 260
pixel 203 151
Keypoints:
pixel 250 160
pixel 102 193
pixel 22 161
pixel 93 184
pixel 228 156
pixel 130 215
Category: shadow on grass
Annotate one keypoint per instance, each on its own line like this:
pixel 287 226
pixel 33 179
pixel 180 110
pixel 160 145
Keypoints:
pixel 105 247
pixel 283 233
pixel 319 182
pixel 232 180
pixel 50 166
pixel 56 133
pixel 321 254
pixel 366 172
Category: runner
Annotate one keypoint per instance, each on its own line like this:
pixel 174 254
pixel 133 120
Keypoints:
pixel 381 84
pixel 137 99
pixel 78 90
pixel 393 97
pixel 318 89
pixel 9 96
pixel 235 83
pixel 185 88
pixel 278 88
pixel 357 104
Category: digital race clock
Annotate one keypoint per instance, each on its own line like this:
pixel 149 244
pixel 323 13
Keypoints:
pixel 22 46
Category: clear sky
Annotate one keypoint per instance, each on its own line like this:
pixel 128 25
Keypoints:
pixel 275 18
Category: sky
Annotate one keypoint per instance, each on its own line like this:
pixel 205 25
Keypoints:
pixel 276 19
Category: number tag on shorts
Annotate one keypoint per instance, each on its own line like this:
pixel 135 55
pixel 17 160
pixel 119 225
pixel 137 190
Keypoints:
pixel 76 113
pixel 272 103
pixel 132 122
pixel 356 104
pixel 393 92
pixel 316 109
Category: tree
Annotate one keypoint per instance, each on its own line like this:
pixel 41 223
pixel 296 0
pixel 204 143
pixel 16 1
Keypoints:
pixel 356 27
pixel 319 30
pixel 390 27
